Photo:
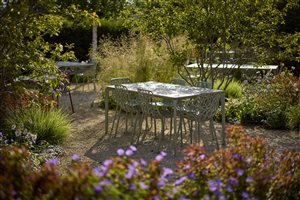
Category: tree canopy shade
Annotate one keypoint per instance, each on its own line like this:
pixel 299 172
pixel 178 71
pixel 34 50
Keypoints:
pixel 24 52
pixel 103 8
pixel 248 27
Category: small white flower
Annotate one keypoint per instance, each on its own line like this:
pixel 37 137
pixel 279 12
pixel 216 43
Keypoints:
pixel 18 133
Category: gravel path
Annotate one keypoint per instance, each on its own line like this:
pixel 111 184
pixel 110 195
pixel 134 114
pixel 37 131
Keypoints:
pixel 87 137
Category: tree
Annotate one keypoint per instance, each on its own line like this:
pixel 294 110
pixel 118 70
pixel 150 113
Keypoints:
pixel 25 53
pixel 215 28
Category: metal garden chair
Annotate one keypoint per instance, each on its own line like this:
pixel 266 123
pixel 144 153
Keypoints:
pixel 199 110
pixel 125 102
pixel 150 109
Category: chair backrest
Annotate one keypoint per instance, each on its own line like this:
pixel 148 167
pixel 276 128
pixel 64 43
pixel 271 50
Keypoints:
pixel 148 105
pixel 178 81
pixel 123 98
pixel 119 80
pixel 203 107
pixel 204 84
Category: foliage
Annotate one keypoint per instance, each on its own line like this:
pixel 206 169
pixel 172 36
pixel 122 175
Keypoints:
pixel 233 90
pixel 246 169
pixel 272 102
pixel 216 29
pixel 49 125
pixel 26 56
pixel 293 117
pixel 138 58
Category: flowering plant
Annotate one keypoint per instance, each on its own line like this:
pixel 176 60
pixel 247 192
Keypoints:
pixel 246 169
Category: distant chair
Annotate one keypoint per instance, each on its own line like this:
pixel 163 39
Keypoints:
pixel 119 80
pixel 125 102
pixel 204 84
pixel 178 81
pixel 149 108
pixel 199 110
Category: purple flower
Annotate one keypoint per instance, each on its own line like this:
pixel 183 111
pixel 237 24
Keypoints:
pixel 130 172
pixel 183 198
pixel 161 182
pixel 131 187
pixel 166 172
pixel 233 181
pixel 135 163
pixel 171 196
pixel 240 172
pixel 128 152
pixel 160 156
pixel 214 185
pixel 98 172
pixel 180 180
pixel 97 189
pixel 187 166
pixel 249 179
pixel 143 162
pixel 174 190
pixel 204 171
pixel 120 152
pixel 132 148
pixel 52 162
pixel 107 162
pixel 1 134
pixel 236 156
pixel 248 160
pixel 191 175
pixel 206 197
pixel 155 198
pixel 229 188
pixel 143 185
pixel 245 195
pixel 75 157
pixel 202 156
pixel 105 182
pixel 222 197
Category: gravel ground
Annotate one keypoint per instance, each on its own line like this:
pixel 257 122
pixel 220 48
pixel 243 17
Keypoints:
pixel 87 137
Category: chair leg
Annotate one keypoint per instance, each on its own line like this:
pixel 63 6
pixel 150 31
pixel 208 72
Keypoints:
pixel 117 125
pixel 134 128
pixel 162 133
pixel 213 133
pixel 191 131
pixel 71 101
pixel 114 120
pixel 140 127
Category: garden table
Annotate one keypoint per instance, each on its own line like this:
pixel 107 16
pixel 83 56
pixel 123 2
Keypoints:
pixel 74 65
pixel 78 68
pixel 172 92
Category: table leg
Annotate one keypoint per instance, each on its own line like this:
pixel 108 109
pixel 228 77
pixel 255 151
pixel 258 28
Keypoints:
pixel 223 119
pixel 106 110
pixel 175 126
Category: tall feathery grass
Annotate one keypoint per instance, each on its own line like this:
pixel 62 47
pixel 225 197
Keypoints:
pixel 51 125
pixel 139 58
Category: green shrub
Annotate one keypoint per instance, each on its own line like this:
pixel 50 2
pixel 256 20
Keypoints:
pixel 49 125
pixel 234 89
pixel 272 103
pixel 293 116
pixel 246 169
